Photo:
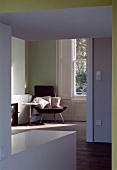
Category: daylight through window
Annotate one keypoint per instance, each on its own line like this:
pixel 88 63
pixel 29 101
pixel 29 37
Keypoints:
pixel 80 67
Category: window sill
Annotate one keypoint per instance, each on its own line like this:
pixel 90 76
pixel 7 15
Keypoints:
pixel 80 98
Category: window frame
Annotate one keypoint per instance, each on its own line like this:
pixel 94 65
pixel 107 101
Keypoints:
pixel 65 53
pixel 76 96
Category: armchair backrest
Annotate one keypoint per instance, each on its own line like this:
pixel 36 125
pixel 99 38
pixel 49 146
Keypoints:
pixel 41 91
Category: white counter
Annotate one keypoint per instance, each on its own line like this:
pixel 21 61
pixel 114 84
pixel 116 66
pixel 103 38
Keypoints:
pixel 43 150
pixel 25 140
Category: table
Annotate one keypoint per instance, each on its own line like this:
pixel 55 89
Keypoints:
pixel 30 107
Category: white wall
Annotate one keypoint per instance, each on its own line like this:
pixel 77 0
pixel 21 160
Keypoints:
pixel 51 155
pixel 5 92
pixel 37 157
pixel 89 109
pixel 18 66
pixel 99 92
pixel 103 89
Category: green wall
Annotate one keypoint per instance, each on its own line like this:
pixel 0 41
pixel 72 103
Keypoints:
pixel 42 64
pixel 26 5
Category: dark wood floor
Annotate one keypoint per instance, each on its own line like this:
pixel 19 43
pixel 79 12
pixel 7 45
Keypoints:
pixel 90 156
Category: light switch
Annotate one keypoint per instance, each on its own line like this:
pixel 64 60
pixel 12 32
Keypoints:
pixel 3 152
pixel 99 122
pixel 98 75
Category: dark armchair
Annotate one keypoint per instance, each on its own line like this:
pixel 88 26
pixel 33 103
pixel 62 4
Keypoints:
pixel 41 91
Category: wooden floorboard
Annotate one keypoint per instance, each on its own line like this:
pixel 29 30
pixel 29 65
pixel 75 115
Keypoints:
pixel 90 156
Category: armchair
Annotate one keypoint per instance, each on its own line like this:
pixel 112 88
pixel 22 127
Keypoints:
pixel 41 91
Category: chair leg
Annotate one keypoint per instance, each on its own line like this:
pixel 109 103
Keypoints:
pixel 41 118
pixel 62 118
pixel 36 118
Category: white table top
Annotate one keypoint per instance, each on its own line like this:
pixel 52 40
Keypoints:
pixel 30 104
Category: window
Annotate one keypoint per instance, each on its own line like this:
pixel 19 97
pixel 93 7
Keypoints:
pixel 80 67
pixel 72 71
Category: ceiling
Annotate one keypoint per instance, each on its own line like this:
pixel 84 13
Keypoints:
pixel 89 22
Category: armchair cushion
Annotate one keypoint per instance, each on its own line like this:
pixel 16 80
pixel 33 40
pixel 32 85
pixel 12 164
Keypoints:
pixel 41 102
pixel 56 102
pixel 47 98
